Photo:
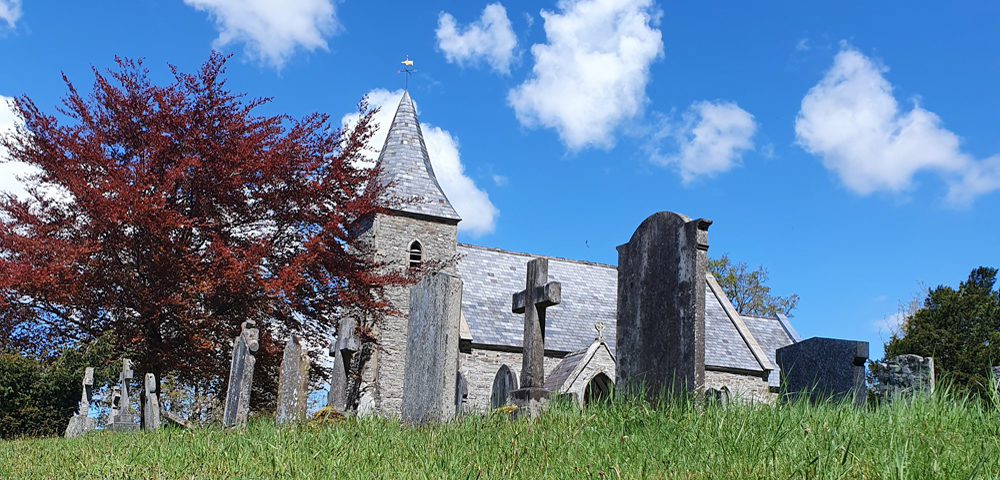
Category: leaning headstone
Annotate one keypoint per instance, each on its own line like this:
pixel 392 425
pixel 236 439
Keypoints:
pixel 81 423
pixel 429 378
pixel 824 368
pixel 237 406
pixel 904 375
pixel 293 382
pixel 538 294
pixel 504 382
pixel 661 306
pixel 151 405
pixel 342 350
pixel 124 417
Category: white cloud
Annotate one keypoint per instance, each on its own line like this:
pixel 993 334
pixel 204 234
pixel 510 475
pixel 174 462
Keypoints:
pixel 890 323
pixel 10 11
pixel 852 121
pixel 592 73
pixel 489 39
pixel 473 205
pixel 711 139
pixel 271 30
pixel 11 172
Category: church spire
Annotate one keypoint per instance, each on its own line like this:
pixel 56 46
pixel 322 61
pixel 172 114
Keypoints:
pixel 407 167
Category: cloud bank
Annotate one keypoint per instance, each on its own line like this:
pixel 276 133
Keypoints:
pixel 472 204
pixel 592 73
pixel 271 31
pixel 488 40
pixel 852 121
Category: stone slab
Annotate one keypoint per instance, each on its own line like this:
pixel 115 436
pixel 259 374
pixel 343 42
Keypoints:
pixel 824 368
pixel 237 406
pixel 904 375
pixel 293 382
pixel 531 402
pixel 150 404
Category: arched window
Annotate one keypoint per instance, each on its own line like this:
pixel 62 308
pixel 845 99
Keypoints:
pixel 416 254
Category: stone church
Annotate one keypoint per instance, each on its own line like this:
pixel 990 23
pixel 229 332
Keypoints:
pixel 579 332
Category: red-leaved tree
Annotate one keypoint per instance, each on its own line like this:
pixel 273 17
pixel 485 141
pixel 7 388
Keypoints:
pixel 170 214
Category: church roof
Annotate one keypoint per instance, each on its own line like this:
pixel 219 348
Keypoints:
pixel 772 333
pixel 406 167
pixel 589 295
pixel 570 367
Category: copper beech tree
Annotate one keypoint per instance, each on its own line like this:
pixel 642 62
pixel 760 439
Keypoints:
pixel 171 214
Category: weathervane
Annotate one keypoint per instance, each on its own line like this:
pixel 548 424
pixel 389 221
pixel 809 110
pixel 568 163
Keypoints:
pixel 408 70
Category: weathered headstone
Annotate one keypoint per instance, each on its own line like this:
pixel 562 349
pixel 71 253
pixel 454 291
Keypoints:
pixel 429 380
pixel 81 423
pixel 904 375
pixel 151 404
pixel 293 382
pixel 237 406
pixel 504 382
pixel 538 294
pixel 342 350
pixel 824 368
pixel 123 417
pixel 661 306
pixel 461 393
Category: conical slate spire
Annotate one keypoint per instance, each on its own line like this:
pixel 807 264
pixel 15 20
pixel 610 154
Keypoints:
pixel 407 166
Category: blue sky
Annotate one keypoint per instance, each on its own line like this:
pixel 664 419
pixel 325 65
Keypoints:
pixel 851 148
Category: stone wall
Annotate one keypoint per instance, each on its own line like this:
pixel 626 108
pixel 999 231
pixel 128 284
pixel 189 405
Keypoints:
pixel 392 235
pixel 741 386
pixel 479 368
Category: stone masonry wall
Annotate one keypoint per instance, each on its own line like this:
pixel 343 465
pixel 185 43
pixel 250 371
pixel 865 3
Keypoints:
pixel 741 386
pixel 392 236
pixel 479 368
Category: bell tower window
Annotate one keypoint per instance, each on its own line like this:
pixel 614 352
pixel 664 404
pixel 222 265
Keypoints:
pixel 416 254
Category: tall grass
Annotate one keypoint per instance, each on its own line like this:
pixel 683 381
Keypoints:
pixel 934 436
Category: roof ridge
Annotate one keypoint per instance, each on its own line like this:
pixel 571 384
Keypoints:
pixel 550 257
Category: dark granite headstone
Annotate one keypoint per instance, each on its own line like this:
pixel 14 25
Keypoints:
pixel 342 350
pixel 904 375
pixel 150 404
pixel 237 406
pixel 661 306
pixel 504 382
pixel 123 417
pixel 538 294
pixel 81 423
pixel 432 350
pixel 293 382
pixel 824 368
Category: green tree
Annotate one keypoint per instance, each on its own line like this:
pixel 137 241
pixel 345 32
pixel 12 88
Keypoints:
pixel 746 288
pixel 960 328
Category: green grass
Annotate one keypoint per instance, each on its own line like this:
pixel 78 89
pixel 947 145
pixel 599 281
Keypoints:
pixel 926 438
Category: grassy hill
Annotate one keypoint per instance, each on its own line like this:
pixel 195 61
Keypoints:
pixel 928 438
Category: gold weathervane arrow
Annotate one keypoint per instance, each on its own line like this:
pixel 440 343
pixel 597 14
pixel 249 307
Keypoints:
pixel 408 70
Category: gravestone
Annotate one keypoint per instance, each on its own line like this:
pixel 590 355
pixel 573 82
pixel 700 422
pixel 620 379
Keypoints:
pixel 538 294
pixel 342 351
pixel 504 382
pixel 429 378
pixel 461 393
pixel 81 423
pixel 237 406
pixel 293 382
pixel 123 417
pixel 824 368
pixel 661 306
pixel 904 375
pixel 151 405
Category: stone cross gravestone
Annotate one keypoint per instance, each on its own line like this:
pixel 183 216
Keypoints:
pixel 538 294
pixel 504 382
pixel 904 375
pixel 824 368
pixel 429 378
pixel 237 406
pixel 661 306
pixel 342 350
pixel 151 405
pixel 124 416
pixel 293 382
pixel 81 423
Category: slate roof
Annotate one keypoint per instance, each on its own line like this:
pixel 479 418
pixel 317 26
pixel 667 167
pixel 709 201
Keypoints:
pixel 772 333
pixel 407 166
pixel 589 295
pixel 557 377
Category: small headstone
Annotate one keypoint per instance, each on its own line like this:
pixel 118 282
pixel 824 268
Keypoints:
pixel 342 350
pixel 81 423
pixel 237 406
pixel 429 379
pixel 538 294
pixel 151 405
pixel 461 393
pixel 175 419
pixel 293 382
pixel 904 375
pixel 123 417
pixel 661 306
pixel 824 368
pixel 504 382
